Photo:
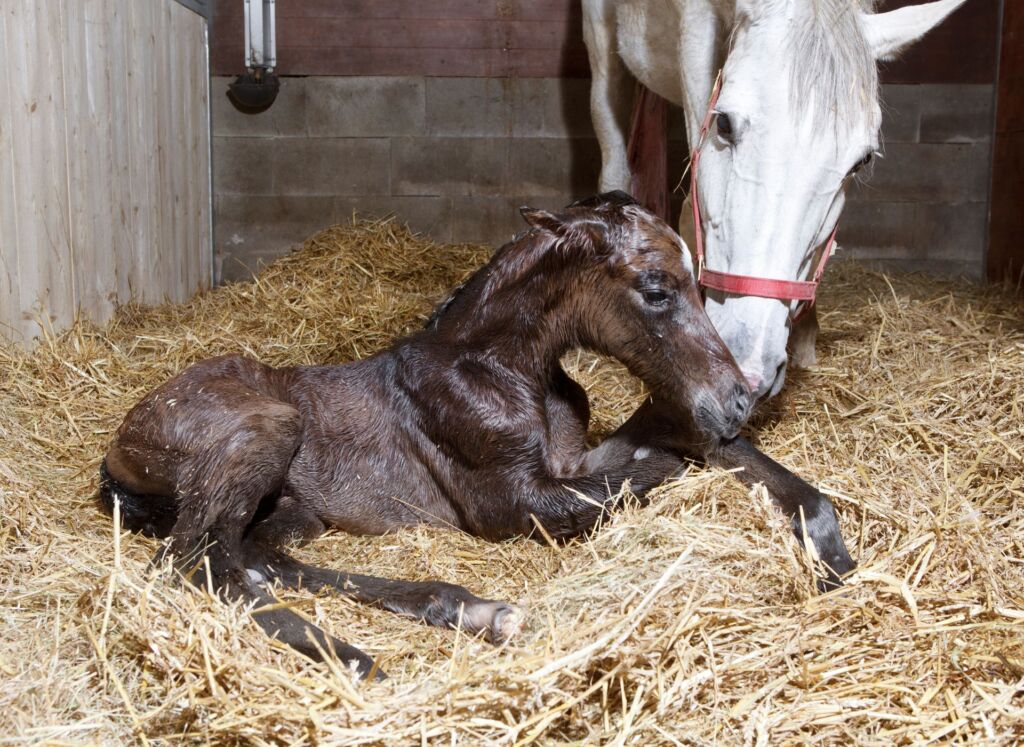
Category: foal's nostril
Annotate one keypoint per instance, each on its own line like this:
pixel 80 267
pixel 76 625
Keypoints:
pixel 741 402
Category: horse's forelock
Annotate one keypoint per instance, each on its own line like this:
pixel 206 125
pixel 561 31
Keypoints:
pixel 833 72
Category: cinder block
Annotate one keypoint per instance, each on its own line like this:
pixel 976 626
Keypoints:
pixel 285 118
pixel 242 165
pixel 241 248
pixel 901 113
pixel 926 172
pixel 953 232
pixel 869 229
pixel 331 166
pixel 923 232
pixel 430 216
pixel 551 107
pixel 364 106
pixel 469 107
pixel 485 220
pixel 449 166
pixel 956 113
pixel 306 210
pixel 496 220
pixel 948 268
pixel 564 168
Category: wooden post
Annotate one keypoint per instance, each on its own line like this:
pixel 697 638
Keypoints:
pixel 648 151
pixel 1006 219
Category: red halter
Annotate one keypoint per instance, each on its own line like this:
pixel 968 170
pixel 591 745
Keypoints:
pixel 745 285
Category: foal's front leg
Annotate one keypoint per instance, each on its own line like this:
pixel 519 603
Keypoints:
pixel 653 426
pixel 569 506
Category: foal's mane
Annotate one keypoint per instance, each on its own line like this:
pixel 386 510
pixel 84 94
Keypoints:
pixel 564 237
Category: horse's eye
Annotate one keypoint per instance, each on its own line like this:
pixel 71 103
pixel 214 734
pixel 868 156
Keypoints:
pixel 725 130
pixel 654 296
pixel 861 163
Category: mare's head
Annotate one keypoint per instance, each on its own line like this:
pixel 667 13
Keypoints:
pixel 620 281
pixel 798 116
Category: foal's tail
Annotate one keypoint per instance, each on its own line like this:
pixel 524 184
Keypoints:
pixel 151 515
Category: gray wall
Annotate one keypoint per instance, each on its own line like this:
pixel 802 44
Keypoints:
pixel 455 157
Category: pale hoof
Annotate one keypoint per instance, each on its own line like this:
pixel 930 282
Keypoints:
pixel 507 623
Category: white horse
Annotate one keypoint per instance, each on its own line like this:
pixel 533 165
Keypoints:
pixel 797 115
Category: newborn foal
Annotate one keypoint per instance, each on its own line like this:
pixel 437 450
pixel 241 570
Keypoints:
pixel 470 423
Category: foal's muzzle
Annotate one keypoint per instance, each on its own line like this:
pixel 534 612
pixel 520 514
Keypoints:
pixel 721 414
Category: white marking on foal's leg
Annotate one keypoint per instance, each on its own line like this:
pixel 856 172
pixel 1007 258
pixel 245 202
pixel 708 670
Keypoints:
pixel 507 623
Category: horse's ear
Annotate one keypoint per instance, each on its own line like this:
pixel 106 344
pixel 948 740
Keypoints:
pixel 542 219
pixel 890 33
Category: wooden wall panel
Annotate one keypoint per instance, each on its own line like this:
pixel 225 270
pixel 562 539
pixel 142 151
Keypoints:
pixel 1006 221
pixel 104 158
pixel 962 49
pixel 525 38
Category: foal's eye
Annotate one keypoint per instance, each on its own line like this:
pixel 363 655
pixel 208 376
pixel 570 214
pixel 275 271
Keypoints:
pixel 725 130
pixel 861 163
pixel 654 296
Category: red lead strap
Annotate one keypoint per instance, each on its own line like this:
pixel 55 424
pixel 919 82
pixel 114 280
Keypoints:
pixel 745 285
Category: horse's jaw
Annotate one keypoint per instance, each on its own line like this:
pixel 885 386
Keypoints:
pixel 756 331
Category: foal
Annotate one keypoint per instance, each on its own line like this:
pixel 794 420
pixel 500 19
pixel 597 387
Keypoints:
pixel 470 423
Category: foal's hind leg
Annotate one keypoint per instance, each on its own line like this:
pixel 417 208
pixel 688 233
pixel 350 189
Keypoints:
pixel 240 447
pixel 434 602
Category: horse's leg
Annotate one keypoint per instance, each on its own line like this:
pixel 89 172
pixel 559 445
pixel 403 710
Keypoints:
pixel 433 602
pixel 651 427
pixel 808 510
pixel 802 340
pixel 570 506
pixel 233 581
pixel 226 447
pixel 610 93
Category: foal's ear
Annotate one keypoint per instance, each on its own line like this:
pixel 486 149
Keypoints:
pixel 890 33
pixel 542 219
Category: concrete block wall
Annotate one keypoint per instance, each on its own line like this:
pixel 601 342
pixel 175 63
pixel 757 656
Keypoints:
pixel 456 157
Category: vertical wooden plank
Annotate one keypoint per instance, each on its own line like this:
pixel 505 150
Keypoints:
pixel 10 285
pixel 179 251
pixel 104 157
pixel 95 59
pixel 140 40
pixel 162 77
pixel 1006 216
pixel 202 147
pixel 45 255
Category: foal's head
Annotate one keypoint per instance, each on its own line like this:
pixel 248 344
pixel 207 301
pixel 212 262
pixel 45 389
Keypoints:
pixel 622 282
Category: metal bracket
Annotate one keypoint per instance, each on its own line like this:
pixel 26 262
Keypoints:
pixel 260 38
pixel 202 7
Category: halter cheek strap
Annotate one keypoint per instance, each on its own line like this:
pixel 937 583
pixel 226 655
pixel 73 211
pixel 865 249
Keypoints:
pixel 746 285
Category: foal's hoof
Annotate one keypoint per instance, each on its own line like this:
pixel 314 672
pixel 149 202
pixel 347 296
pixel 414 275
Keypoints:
pixel 507 623
pixel 500 621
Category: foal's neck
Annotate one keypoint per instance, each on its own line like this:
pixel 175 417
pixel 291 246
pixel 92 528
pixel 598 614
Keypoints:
pixel 519 309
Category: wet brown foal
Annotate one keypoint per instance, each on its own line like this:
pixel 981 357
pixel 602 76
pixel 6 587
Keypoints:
pixel 470 423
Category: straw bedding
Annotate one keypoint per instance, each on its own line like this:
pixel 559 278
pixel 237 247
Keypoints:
pixel 690 621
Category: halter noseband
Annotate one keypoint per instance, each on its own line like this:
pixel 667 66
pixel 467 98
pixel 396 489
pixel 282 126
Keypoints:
pixel 746 285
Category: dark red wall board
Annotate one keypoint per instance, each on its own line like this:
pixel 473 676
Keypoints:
pixel 1006 219
pixel 962 49
pixel 529 38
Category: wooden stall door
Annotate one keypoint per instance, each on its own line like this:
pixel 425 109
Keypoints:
pixel 104 159
pixel 1006 223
